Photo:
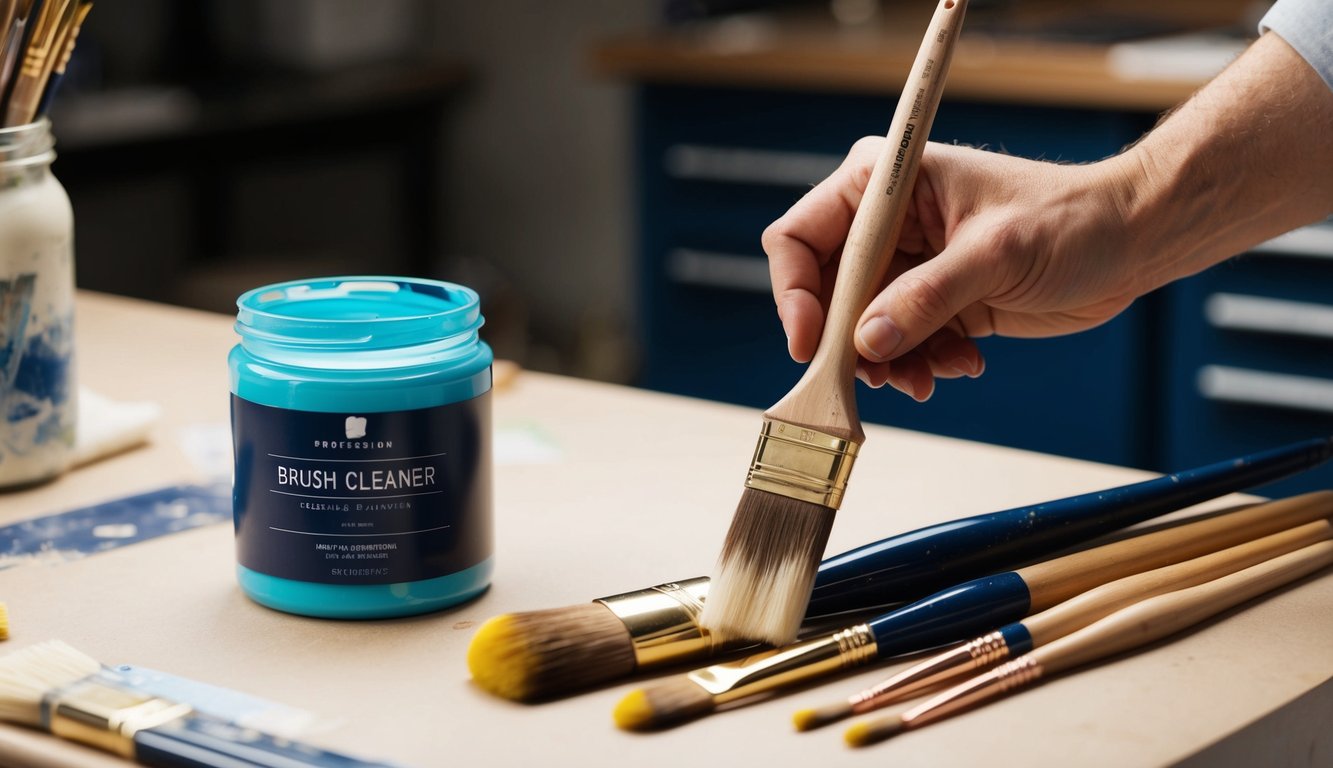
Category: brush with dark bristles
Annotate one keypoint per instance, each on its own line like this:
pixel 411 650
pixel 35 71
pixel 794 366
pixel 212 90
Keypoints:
pixel 543 654
pixel 56 688
pixel 1137 625
pixel 810 438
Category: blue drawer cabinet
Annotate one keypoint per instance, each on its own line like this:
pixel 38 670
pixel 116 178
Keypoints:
pixel 1251 354
pixel 715 166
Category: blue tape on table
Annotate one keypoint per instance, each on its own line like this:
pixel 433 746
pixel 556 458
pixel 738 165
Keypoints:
pixel 108 525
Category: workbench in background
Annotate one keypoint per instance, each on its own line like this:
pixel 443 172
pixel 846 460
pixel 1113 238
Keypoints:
pixel 737 117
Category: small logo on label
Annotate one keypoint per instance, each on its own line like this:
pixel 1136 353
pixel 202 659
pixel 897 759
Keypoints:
pixel 355 426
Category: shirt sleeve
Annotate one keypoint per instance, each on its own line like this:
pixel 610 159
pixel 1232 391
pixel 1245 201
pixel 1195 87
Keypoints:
pixel 1307 26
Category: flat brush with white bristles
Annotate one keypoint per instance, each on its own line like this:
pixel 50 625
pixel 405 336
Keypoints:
pixel 56 688
pixel 810 438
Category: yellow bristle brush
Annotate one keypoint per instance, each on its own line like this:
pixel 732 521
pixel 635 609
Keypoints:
pixel 810 438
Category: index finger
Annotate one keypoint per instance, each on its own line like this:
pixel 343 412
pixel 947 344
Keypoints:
pixel 807 236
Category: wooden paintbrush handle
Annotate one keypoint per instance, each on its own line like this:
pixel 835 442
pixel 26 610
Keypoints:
pixel 825 397
pixel 1058 580
pixel 1167 614
pixel 1095 604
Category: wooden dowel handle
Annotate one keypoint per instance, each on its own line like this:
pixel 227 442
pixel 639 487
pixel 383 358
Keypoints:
pixel 1099 602
pixel 1172 612
pixel 825 397
pixel 1058 580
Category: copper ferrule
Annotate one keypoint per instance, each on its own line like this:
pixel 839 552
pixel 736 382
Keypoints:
pixel 783 667
pixel 931 673
pixel 801 463
pixel 663 622
pixel 978 690
pixel 102 714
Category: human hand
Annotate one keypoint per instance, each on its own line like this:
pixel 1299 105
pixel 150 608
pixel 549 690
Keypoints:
pixel 991 244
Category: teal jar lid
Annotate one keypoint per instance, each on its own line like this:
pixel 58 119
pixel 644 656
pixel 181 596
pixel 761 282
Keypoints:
pixel 361 314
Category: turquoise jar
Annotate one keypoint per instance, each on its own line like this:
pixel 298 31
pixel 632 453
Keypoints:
pixel 361 429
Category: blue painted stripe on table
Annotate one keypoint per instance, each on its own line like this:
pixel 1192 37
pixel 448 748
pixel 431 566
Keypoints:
pixel 109 525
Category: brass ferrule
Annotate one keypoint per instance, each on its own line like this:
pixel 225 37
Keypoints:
pixel 801 463
pixel 101 714
pixel 955 662
pixel 978 690
pixel 787 666
pixel 663 622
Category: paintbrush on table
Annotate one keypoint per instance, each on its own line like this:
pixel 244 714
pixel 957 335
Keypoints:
pixel 540 654
pixel 1124 630
pixel 56 688
pixel 810 438
pixel 1038 630
pixel 958 613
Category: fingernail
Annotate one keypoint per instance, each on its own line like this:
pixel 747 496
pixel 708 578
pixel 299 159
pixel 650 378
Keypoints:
pixel 880 336
pixel 964 367
pixel 905 387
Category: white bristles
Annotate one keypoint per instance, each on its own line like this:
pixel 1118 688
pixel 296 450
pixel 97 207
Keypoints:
pixel 756 604
pixel 28 674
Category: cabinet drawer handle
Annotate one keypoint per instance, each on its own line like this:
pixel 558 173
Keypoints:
pixel 1276 390
pixel 1233 311
pixel 719 270
pixel 1312 242
pixel 748 166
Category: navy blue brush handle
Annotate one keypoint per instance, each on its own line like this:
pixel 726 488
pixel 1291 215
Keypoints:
pixel 957 613
pixel 206 742
pixel 905 567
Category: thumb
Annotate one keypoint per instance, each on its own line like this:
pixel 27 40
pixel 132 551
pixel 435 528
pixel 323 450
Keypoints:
pixel 920 302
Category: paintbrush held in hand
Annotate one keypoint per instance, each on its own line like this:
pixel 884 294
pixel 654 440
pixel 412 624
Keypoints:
pixel 810 438
pixel 56 688
pixel 541 654
pixel 1124 630
pixel 959 612
pixel 1053 623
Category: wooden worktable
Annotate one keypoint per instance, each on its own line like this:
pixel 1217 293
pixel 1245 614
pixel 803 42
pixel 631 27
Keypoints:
pixel 638 490
pixel 808 49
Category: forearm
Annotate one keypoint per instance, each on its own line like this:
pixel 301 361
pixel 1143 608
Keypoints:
pixel 1246 158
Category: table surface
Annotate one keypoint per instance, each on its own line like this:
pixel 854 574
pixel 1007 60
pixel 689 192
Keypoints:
pixel 637 490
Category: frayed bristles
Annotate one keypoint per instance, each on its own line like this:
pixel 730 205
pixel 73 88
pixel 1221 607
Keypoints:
pixel 873 732
pixel 540 654
pixel 29 674
pixel 767 568
pixel 669 703
pixel 810 719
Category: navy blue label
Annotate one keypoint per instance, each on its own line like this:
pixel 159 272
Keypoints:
pixel 362 498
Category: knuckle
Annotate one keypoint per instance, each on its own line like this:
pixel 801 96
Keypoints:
pixel 923 299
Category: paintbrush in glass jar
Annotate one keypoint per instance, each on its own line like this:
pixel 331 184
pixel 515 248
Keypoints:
pixel 542 654
pixel 811 437
pixel 957 613
pixel 56 688
pixel 1129 628
pixel 1036 631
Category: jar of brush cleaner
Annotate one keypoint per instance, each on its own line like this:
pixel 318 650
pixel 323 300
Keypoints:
pixel 38 407
pixel 361 427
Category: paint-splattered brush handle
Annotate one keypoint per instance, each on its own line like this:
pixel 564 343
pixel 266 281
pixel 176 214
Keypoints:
pixel 914 564
pixel 206 742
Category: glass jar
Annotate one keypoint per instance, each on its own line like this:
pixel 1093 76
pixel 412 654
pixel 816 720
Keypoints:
pixel 38 402
pixel 361 428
